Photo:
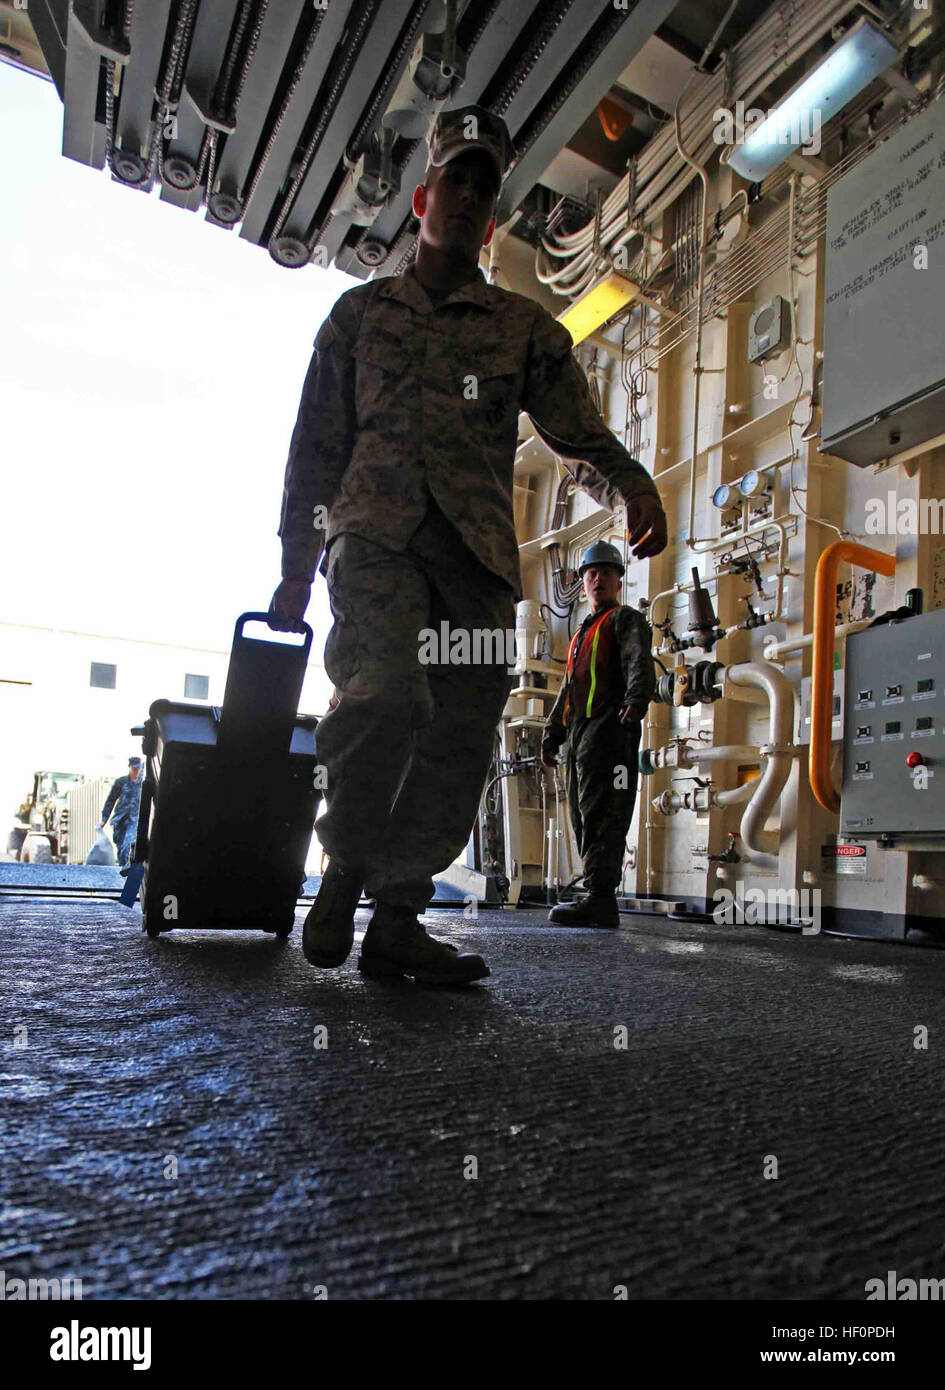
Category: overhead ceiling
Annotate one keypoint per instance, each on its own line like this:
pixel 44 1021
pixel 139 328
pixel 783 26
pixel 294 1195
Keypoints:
pixel 251 112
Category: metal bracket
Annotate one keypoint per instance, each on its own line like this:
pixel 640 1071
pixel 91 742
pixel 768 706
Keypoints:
pixel 632 191
pixel 203 106
pixel 106 42
pixel 598 203
pixel 728 76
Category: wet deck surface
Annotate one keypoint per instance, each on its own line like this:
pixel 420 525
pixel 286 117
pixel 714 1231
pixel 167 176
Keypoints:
pixel 172 1131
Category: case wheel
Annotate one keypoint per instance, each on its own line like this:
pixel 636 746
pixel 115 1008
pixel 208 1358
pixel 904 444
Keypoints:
pixel 148 922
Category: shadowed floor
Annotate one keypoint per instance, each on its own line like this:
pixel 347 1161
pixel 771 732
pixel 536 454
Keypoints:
pixel 348 1165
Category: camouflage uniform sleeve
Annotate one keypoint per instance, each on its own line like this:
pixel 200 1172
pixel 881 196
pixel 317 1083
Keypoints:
pixel 321 443
pixel 110 800
pixel 557 398
pixel 635 639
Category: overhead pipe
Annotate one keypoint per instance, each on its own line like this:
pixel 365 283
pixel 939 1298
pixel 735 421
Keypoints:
pixel 697 367
pixel 659 177
pixel 824 644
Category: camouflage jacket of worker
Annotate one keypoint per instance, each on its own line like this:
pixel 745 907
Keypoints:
pixel 402 397
pixel 125 796
pixel 631 678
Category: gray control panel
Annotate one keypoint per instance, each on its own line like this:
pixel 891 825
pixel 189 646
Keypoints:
pixel 894 730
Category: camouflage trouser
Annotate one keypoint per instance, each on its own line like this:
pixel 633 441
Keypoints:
pixel 600 752
pixel 408 746
pixel 123 833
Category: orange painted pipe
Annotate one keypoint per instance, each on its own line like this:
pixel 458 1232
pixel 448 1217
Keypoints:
pixel 821 686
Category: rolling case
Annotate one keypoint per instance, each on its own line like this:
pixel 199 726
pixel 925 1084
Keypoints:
pixel 229 797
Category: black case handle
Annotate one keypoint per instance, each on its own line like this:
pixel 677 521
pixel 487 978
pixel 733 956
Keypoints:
pixel 267 618
pixel 261 698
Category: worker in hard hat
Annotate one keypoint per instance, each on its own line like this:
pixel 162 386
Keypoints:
pixel 609 681
pixel 399 480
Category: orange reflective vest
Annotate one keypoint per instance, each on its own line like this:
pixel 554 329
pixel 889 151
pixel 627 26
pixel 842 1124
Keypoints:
pixel 588 667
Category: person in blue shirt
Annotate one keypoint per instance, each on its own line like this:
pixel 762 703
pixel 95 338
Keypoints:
pixel 122 805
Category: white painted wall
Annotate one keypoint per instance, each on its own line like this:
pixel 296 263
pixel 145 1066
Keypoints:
pixel 52 718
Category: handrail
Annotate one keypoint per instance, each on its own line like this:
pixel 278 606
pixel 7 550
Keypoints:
pixel 821 685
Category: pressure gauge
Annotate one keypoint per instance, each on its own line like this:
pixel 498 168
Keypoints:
pixel 751 484
pixel 722 497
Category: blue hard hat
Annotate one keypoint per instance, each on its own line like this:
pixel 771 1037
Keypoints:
pixel 601 553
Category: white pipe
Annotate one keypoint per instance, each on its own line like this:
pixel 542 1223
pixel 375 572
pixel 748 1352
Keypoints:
pixel 777 761
pixel 774 650
pixel 691 541
pixel 737 795
pixel 673 755
pixel 561 834
pixel 669 802
pixel 703 753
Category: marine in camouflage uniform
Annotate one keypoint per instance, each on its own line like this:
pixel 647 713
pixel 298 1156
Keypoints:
pixel 405 441
pixel 122 804
pixel 609 682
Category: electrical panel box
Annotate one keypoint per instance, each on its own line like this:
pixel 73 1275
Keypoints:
pixel 769 329
pixel 884 297
pixel 894 731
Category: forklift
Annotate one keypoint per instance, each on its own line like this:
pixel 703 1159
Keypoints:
pixel 40 834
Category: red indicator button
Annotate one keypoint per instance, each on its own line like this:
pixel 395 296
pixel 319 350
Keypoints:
pixel 914 759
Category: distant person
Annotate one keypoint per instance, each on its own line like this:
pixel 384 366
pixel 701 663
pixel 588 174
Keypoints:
pixel 125 798
pixel 609 682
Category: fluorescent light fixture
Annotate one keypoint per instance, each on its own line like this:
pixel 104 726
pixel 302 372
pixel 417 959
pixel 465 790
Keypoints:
pixel 798 118
pixel 598 305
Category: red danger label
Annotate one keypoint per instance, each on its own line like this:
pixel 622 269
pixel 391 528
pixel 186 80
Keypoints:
pixel 843 851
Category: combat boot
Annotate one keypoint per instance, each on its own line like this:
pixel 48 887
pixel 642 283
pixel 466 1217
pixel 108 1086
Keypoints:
pixel 596 910
pixel 396 944
pixel 328 933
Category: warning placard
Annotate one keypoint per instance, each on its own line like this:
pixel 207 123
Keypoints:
pixel 843 859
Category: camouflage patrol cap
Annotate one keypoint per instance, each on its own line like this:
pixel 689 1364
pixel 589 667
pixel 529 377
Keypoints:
pixel 470 128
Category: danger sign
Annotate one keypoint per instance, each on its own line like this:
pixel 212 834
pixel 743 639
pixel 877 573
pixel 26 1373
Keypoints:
pixel 843 859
